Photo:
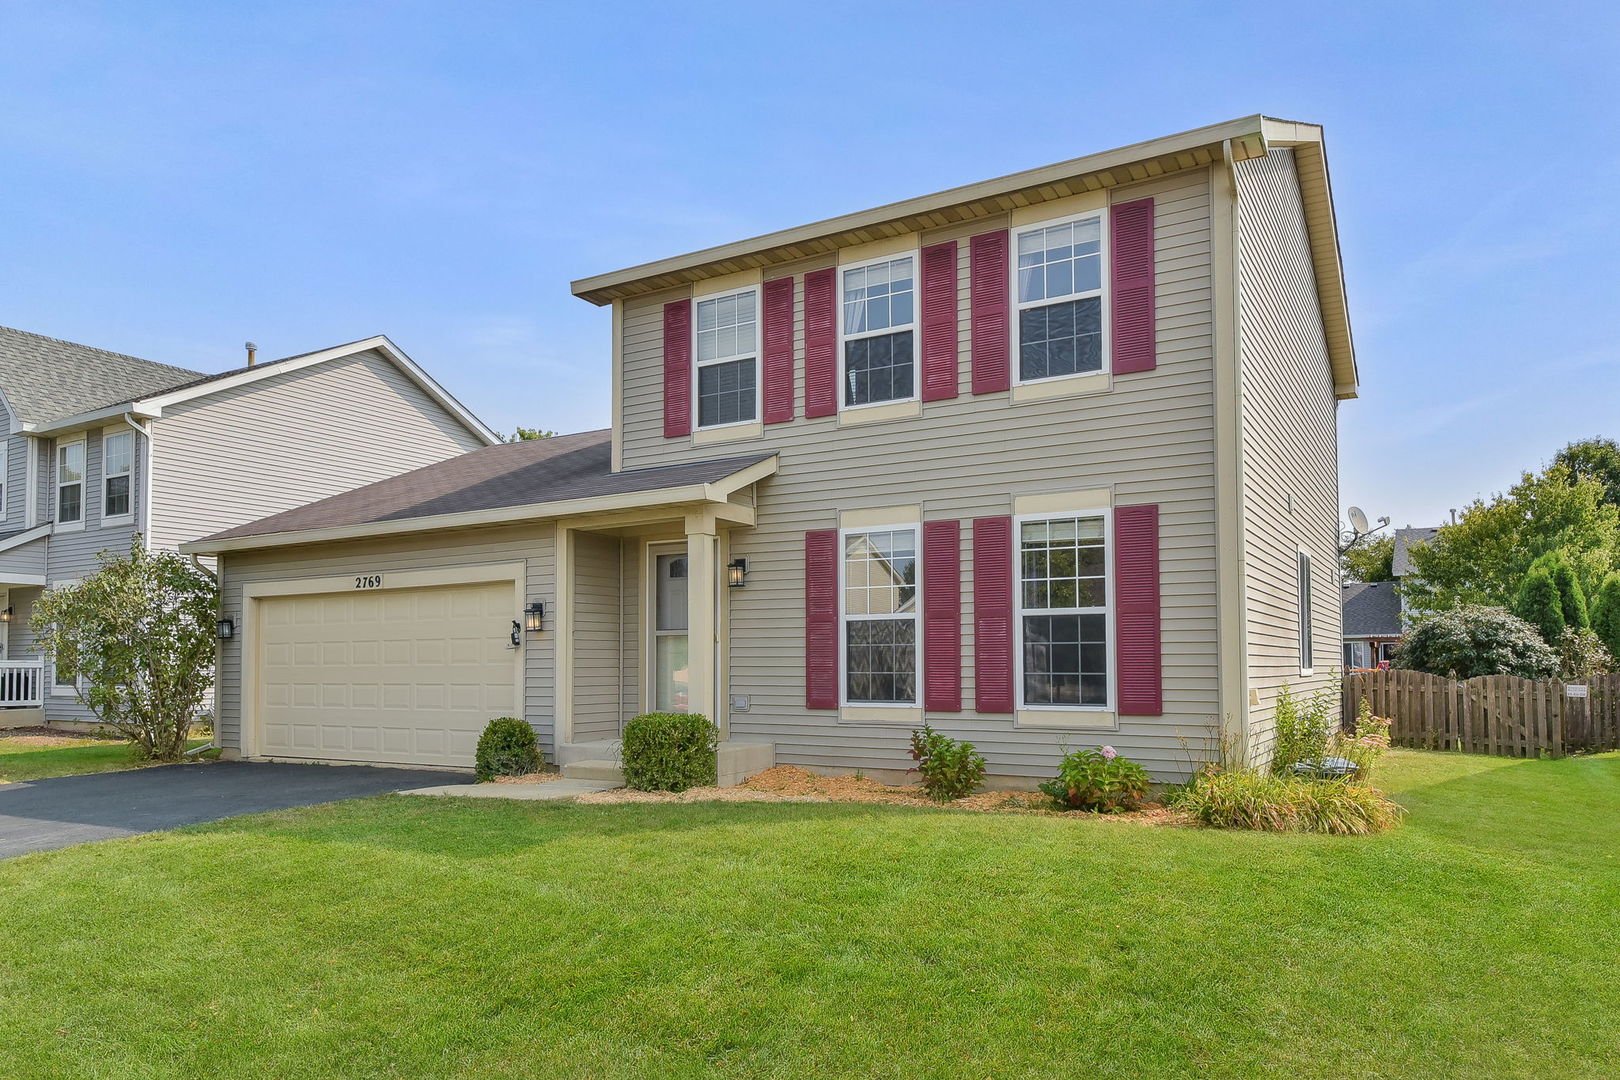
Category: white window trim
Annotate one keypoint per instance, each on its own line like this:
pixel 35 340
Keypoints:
pixel 5 478
pixel 759 359
pixel 1101 214
pixel 909 707
pixel 1305 602
pixel 129 515
pixel 915 326
pixel 1019 520
pixel 58 690
pixel 84 485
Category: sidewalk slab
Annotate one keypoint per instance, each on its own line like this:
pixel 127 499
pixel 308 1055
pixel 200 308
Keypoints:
pixel 550 790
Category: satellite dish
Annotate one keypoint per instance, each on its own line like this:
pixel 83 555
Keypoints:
pixel 1358 520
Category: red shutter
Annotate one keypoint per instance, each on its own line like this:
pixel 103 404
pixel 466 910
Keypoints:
pixel 821 619
pixel 939 321
pixel 990 290
pixel 1136 611
pixel 820 343
pixel 777 374
pixel 1131 280
pixel 993 614
pixel 942 615
pixel 677 368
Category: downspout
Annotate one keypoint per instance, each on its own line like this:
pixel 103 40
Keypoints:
pixel 146 480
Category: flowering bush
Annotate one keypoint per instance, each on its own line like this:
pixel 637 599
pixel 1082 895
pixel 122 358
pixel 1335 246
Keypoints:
pixel 1101 780
pixel 1363 746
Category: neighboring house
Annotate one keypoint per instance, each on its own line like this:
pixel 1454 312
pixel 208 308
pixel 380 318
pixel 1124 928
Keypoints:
pixel 1376 613
pixel 1047 461
pixel 1372 623
pixel 101 447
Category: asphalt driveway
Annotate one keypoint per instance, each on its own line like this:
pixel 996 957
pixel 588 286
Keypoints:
pixel 39 815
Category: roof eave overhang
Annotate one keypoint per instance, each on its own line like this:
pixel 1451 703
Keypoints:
pixel 90 419
pixel 1194 149
pixel 694 495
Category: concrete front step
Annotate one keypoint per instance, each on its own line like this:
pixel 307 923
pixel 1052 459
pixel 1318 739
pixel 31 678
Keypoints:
pixel 599 760
pixel 600 770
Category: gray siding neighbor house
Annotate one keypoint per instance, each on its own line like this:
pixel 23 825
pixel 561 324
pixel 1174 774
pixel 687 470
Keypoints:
pixel 1045 461
pixel 101 448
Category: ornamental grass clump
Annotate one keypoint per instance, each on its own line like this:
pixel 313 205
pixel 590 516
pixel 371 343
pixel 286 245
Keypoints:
pixel 1102 780
pixel 949 769
pixel 1249 799
pixel 508 747
pixel 670 752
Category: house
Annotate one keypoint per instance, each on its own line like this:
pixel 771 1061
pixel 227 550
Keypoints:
pixel 1047 461
pixel 1375 613
pixel 102 447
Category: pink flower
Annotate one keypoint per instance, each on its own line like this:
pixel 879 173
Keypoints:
pixel 1109 753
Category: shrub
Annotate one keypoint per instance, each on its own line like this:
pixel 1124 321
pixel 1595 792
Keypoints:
pixel 1247 799
pixel 1537 603
pixel 1103 780
pixel 507 747
pixel 670 752
pixel 1581 655
pixel 1302 729
pixel 1364 744
pixel 1468 641
pixel 1606 613
pixel 949 769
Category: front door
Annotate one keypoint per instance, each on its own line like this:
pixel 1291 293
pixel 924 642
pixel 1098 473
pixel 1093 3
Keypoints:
pixel 666 675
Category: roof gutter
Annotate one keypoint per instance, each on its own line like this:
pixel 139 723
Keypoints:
pixel 124 409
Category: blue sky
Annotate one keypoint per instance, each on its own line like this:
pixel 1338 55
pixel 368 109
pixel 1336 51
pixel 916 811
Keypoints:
pixel 178 178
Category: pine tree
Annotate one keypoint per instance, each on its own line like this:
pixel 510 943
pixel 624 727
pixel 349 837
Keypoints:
pixel 1571 597
pixel 1538 604
pixel 1606 612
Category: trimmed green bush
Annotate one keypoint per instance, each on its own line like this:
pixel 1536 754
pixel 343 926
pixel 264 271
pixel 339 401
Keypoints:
pixel 1248 799
pixel 1464 642
pixel 1606 613
pixel 1537 602
pixel 507 747
pixel 949 769
pixel 670 752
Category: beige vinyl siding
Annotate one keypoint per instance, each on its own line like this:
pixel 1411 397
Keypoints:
pixel 289 439
pixel 1290 451
pixel 75 554
pixel 532 543
pixel 1150 438
pixel 598 625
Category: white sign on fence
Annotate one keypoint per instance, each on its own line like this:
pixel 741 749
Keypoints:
pixel 1574 690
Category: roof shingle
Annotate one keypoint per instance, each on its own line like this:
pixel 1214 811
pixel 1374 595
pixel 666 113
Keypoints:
pixel 560 468
pixel 1372 609
pixel 46 379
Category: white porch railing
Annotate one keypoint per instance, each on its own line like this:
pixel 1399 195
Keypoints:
pixel 22 682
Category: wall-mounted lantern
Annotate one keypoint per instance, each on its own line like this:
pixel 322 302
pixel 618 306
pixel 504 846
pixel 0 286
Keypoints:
pixel 227 628
pixel 736 571
pixel 534 616
pixel 5 616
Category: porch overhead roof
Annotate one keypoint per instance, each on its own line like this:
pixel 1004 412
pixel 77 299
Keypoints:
pixel 540 478
pixel 1218 144
pixel 1371 609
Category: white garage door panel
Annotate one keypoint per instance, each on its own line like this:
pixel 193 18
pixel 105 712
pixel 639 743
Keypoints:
pixel 403 676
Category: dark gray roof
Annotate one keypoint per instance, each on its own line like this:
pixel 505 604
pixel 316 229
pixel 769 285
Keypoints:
pixel 1371 609
pixel 1404 539
pixel 493 477
pixel 46 379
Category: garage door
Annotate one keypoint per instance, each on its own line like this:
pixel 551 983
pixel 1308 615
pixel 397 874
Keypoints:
pixel 398 676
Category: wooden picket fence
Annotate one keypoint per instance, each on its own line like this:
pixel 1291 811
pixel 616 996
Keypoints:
pixel 1491 714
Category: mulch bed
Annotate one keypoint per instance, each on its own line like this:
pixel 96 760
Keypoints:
pixel 790 783
pixel 50 736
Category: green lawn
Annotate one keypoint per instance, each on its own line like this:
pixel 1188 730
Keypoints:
pixel 410 937
pixel 21 760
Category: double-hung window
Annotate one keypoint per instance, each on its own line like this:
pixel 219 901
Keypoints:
pixel 880 609
pixel 70 482
pixel 878 303
pixel 1304 613
pixel 1063 611
pixel 728 359
pixel 1058 289
pixel 117 464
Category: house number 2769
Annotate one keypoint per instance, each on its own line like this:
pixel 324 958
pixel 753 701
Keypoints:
pixel 368 581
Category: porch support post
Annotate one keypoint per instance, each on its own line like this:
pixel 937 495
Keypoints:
pixel 702 553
